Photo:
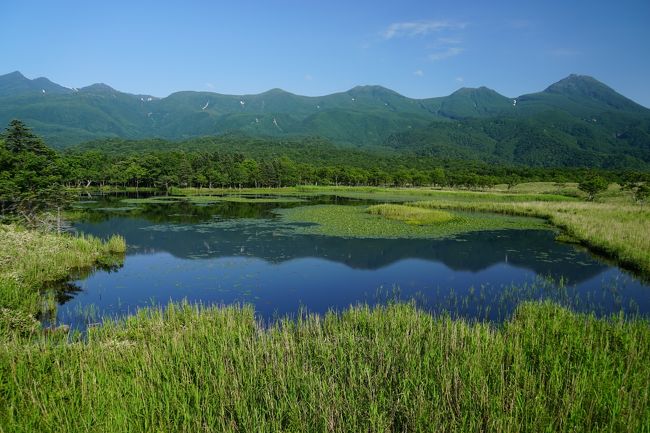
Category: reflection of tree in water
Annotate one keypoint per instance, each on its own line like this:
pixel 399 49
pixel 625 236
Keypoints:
pixel 64 291
pixel 184 212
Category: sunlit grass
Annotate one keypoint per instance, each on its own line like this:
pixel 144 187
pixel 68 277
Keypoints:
pixel 392 368
pixel 411 215
pixel 115 244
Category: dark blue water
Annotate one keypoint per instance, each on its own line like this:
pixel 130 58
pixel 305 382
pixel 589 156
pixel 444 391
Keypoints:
pixel 240 252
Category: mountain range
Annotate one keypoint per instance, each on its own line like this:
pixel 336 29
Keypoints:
pixel 577 121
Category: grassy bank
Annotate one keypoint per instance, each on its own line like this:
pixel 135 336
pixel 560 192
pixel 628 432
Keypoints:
pixel 393 368
pixel 29 259
pixel 617 230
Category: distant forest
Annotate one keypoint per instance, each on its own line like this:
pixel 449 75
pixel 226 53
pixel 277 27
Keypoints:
pixel 240 161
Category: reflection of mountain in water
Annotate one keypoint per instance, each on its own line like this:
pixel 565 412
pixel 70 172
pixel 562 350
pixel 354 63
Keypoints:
pixel 270 240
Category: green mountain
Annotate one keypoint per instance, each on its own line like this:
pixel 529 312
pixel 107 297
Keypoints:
pixel 16 83
pixel 577 121
pixel 468 103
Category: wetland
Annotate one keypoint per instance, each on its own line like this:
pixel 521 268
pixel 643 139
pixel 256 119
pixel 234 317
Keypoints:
pixel 315 253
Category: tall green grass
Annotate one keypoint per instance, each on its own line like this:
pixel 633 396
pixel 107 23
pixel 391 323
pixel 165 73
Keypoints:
pixel 393 368
pixel 29 259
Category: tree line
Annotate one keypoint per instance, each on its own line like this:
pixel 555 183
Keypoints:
pixel 33 176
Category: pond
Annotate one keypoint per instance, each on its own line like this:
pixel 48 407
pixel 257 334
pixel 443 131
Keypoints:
pixel 243 251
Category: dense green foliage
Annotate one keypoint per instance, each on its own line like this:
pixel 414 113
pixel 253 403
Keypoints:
pixel 592 186
pixel 238 161
pixel 392 368
pixel 577 121
pixel 241 161
pixel 30 175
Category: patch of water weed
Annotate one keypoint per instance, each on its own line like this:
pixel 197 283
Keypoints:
pixel 355 221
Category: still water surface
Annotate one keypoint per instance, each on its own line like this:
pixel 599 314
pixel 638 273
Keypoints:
pixel 242 252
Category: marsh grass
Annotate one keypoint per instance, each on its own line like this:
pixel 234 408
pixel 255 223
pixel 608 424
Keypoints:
pixel 393 368
pixel 617 230
pixel 411 215
pixel 29 259
pixel 357 222
pixel 115 244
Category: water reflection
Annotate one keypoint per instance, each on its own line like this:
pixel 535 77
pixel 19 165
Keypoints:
pixel 238 252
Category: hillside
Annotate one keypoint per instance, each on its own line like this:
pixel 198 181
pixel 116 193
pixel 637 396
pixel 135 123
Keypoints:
pixel 577 121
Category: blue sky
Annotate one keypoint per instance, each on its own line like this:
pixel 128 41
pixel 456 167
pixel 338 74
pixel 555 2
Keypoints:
pixel 418 48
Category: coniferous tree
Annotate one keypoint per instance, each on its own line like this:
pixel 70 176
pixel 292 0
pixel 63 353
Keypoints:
pixel 31 182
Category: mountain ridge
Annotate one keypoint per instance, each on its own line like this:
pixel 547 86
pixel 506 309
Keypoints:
pixel 577 117
pixel 360 87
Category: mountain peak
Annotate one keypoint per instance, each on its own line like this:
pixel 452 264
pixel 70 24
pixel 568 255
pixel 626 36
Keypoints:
pixel 13 75
pixel 15 83
pixel 98 88
pixel 373 90
pixel 475 91
pixel 583 88
pixel 276 91
pixel 573 83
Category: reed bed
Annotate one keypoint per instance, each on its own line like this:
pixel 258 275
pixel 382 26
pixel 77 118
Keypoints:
pixel 392 368
pixel 29 259
pixel 411 215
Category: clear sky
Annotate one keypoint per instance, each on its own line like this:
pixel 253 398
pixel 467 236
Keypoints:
pixel 418 48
